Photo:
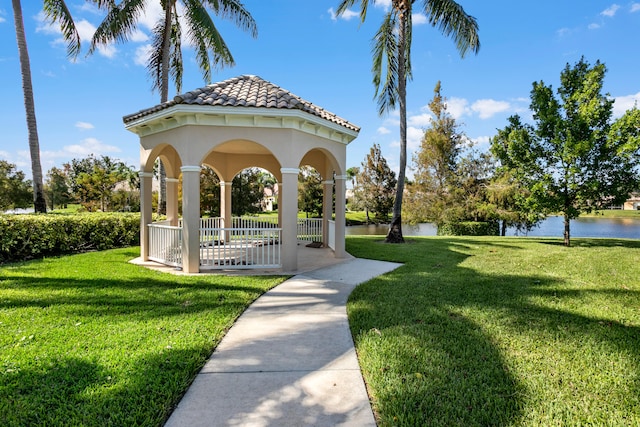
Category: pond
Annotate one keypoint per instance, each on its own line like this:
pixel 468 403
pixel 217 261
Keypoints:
pixel 626 228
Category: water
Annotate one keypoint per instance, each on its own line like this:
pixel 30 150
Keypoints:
pixel 626 228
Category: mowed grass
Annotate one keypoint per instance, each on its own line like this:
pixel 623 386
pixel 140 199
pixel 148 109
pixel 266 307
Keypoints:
pixel 501 332
pixel 94 341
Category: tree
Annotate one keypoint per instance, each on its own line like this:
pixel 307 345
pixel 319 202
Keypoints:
pixel 246 192
pixel 15 191
pixel 377 184
pixel 94 181
pixel 56 11
pixel 435 162
pixel 574 160
pixel 166 55
pixel 57 188
pixel 392 65
pixel 209 192
pixel 310 191
pixel 506 192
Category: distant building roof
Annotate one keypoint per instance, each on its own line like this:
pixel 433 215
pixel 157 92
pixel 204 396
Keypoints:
pixel 245 91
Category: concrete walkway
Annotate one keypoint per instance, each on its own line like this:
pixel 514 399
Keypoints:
pixel 289 360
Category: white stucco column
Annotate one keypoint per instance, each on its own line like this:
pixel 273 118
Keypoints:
pixel 340 251
pixel 146 209
pixel 190 219
pixel 288 204
pixel 225 206
pixel 225 202
pixel 172 200
pixel 279 199
pixel 327 210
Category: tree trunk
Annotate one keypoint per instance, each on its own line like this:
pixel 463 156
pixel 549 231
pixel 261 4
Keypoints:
pixel 567 230
pixel 395 229
pixel 503 228
pixel 164 97
pixel 39 203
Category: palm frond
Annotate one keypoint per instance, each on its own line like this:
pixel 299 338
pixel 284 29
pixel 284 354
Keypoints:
pixel 385 64
pixel 57 12
pixel 451 19
pixel 205 37
pixel 154 66
pixel 234 11
pixel 175 61
pixel 119 23
pixel 347 4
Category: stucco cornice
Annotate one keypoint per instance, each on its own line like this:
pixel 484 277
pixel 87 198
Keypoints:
pixel 248 117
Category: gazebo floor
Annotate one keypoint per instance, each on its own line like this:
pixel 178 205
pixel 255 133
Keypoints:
pixel 309 259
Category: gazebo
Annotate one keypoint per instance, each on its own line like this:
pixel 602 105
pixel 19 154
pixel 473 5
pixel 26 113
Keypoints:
pixel 229 126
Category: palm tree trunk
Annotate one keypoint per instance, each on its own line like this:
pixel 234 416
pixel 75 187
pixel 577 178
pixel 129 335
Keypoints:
pixel 164 97
pixel 395 229
pixel 39 203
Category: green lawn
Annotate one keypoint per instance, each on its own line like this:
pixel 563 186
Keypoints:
pixel 501 331
pixel 92 340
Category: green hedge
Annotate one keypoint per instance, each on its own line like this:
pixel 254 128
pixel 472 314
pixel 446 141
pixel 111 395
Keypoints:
pixel 469 228
pixel 25 237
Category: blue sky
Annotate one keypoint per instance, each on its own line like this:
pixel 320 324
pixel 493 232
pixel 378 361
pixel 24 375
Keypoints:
pixel 304 48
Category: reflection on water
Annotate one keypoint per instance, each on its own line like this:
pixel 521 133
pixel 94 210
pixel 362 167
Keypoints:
pixel 423 229
pixel 626 228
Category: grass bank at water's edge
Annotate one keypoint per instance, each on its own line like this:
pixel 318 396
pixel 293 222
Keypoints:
pixel 500 331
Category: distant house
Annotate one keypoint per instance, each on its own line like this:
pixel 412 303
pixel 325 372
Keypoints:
pixel 633 203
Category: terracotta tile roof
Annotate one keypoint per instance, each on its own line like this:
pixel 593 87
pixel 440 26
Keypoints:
pixel 245 91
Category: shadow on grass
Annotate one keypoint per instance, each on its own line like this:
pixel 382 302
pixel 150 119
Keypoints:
pixel 73 391
pixel 434 331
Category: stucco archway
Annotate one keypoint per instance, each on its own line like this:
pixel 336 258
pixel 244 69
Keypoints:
pixel 243 119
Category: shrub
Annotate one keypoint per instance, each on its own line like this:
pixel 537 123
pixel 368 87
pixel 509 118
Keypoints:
pixel 468 228
pixel 24 237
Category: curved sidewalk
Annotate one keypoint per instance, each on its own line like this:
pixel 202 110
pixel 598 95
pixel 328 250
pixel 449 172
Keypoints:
pixel 289 359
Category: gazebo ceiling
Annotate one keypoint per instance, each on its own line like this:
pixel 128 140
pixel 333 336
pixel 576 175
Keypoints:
pixel 244 101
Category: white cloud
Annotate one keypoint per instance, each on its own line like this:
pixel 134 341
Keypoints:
pixel 418 19
pixel 347 15
pixel 85 30
pixel 593 26
pixel 563 32
pixel 44 26
pixel 635 7
pixel 421 120
pixel 152 14
pixel 624 103
pixel 482 143
pixel 84 125
pixel 414 138
pixel 4 154
pixel 143 53
pixel 383 130
pixel 487 108
pixel 610 11
pixel 83 149
pixel 384 4
pixel 457 107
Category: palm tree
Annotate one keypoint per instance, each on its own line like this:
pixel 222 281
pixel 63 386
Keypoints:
pixel 56 11
pixel 166 55
pixel 392 65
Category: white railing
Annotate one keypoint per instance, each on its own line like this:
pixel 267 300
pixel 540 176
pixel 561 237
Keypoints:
pixel 310 229
pixel 243 248
pixel 249 222
pixel 165 244
pixel 249 243
pixel 332 234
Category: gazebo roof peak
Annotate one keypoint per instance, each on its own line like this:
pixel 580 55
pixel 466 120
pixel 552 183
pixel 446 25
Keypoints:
pixel 244 91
